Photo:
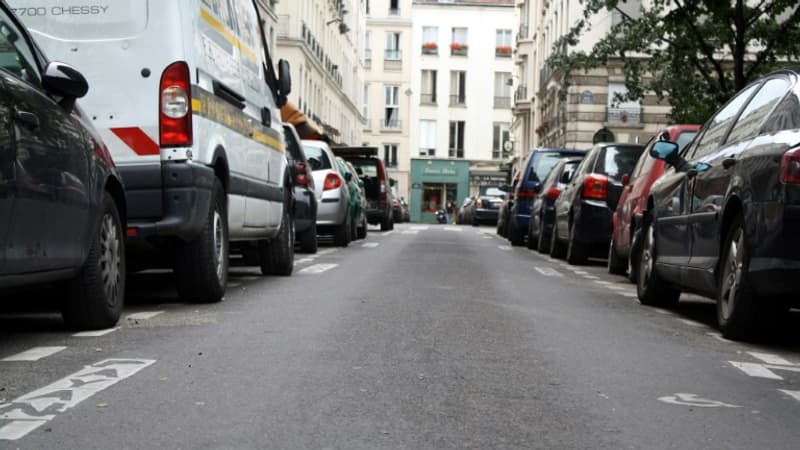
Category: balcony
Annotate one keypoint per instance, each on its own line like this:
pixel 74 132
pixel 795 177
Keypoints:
pixel 502 102
pixel 521 94
pixel 458 100
pixel 427 99
pixel 430 48
pixel 503 51
pixel 394 11
pixel 457 49
pixel 391 125
pixel 629 116
pixel 392 55
pixel 367 58
pixel 522 34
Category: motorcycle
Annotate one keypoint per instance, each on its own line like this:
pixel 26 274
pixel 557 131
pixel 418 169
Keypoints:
pixel 441 216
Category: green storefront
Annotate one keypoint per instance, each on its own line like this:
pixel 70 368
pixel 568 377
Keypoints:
pixel 433 183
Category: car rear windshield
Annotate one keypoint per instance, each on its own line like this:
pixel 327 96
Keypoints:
pixel 617 161
pixel 369 167
pixel 543 164
pixel 317 158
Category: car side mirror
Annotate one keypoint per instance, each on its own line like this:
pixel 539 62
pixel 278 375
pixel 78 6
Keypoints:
pixel 663 150
pixel 626 179
pixel 361 182
pixel 284 81
pixel 348 177
pixel 64 80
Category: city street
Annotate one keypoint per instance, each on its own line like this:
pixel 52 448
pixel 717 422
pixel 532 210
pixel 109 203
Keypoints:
pixel 425 337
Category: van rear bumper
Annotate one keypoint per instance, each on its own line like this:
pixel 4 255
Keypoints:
pixel 167 200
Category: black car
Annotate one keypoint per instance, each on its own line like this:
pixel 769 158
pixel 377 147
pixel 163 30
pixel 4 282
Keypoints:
pixel 62 204
pixel 540 226
pixel 722 221
pixel 464 214
pixel 305 200
pixel 485 208
pixel 583 211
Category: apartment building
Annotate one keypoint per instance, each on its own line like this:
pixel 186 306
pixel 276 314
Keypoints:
pixel 590 113
pixel 322 39
pixel 387 57
pixel 460 99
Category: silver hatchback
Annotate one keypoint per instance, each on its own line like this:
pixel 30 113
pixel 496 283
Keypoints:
pixel 333 216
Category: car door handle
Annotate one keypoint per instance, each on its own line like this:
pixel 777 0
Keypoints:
pixel 728 162
pixel 27 119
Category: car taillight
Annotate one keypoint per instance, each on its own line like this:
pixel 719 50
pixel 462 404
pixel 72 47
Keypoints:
pixel 553 193
pixel 300 174
pixel 381 182
pixel 595 186
pixel 478 203
pixel 332 181
pixel 526 193
pixel 175 101
pixel 790 166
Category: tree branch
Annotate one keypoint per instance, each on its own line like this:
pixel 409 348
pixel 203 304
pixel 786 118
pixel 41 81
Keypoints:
pixel 703 46
pixel 767 50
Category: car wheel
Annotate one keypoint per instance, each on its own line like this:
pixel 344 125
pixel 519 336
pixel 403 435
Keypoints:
pixel 308 239
pixel 740 314
pixel 617 265
pixel 531 240
pixel 515 235
pixel 97 294
pixel 277 255
pixel 387 223
pixel 342 237
pixel 635 255
pixel 650 288
pixel 361 233
pixel 543 242
pixel 201 266
pixel 557 248
pixel 353 229
pixel 576 252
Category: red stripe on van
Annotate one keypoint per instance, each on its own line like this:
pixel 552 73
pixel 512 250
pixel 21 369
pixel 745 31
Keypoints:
pixel 138 140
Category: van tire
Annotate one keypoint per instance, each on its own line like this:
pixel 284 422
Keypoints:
pixel 277 254
pixel 201 266
pixel 97 294
pixel 308 239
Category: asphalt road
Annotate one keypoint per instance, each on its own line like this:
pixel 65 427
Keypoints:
pixel 427 337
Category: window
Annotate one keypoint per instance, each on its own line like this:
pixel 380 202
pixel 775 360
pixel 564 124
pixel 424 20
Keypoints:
pixel 365 105
pixel 503 43
pixel 427 138
pixel 367 49
pixel 428 91
pixel 587 98
pixel 502 90
pixel 15 55
pixel 717 127
pixel 430 40
pixel 786 115
pixel 458 87
pixel 390 155
pixel 458 42
pixel 500 135
pixel 393 46
pixel 756 111
pixel 391 118
pixel 394 8
pixel 456 148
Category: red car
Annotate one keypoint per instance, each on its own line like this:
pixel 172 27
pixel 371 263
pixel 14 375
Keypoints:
pixel 633 199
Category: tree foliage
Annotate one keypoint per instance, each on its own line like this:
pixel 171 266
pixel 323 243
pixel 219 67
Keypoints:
pixel 697 52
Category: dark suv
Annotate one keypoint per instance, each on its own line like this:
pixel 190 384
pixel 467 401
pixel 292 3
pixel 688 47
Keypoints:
pixel 376 183
pixel 62 204
pixel 305 200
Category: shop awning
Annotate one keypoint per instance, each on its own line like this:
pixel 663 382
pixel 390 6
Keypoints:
pixel 306 128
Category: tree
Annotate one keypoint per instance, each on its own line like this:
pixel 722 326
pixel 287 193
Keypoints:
pixel 698 53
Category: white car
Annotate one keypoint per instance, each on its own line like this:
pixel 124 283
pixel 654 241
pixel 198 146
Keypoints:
pixel 333 214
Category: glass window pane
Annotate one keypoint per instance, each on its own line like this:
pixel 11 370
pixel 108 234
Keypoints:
pixel 756 111
pixel 718 126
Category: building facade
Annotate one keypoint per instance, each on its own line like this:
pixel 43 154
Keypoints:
pixel 460 96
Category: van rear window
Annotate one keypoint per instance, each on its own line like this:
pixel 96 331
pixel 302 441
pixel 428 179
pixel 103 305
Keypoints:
pixel 369 168
pixel 77 21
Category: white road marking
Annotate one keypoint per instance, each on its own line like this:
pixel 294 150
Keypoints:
pixel 420 227
pixel 580 272
pixel 328 251
pixel 692 323
pixel 663 311
pixel 547 271
pixel 307 259
pixel 387 233
pixel 453 229
pixel 30 411
pixel 762 370
pixel 793 394
pixel 143 315
pixel 629 295
pixel 233 284
pixel 95 333
pixel 718 337
pixel 504 247
pixel 248 278
pixel 771 359
pixel 318 268
pixel 410 232
pixel 487 237
pixel 34 354
pixel 370 244
pixel 591 277
pixel 756 370
pixel 618 287
pixel 603 282
pixel 686 399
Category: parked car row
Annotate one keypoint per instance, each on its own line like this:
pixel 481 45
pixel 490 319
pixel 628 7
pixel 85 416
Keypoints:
pixel 481 209
pixel 707 210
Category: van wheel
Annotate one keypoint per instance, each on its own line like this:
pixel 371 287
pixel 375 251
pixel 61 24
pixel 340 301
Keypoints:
pixel 277 255
pixel 342 237
pixel 362 230
pixel 617 265
pixel 201 266
pixel 97 294
pixel 650 288
pixel 576 252
pixel 308 239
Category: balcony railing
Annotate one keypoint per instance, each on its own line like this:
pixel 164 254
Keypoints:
pixel 367 54
pixel 457 99
pixel 624 115
pixel 390 124
pixel 502 102
pixel 430 49
pixel 427 98
pixel 458 49
pixel 503 51
pixel 544 77
pixel 393 55
pixel 521 94
pixel 394 11
pixel 523 32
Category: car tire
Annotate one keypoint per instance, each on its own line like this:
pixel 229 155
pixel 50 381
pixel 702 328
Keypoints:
pixel 635 255
pixel 201 266
pixel 342 235
pixel 617 265
pixel 308 239
pixel 557 248
pixel 96 296
pixel 277 254
pixel 741 315
pixel 361 232
pixel 543 243
pixel 515 235
pixel 353 230
pixel 576 252
pixel 650 288
pixel 531 241
pixel 387 223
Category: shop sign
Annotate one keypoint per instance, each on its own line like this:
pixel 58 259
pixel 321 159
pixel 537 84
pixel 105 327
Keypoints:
pixel 440 171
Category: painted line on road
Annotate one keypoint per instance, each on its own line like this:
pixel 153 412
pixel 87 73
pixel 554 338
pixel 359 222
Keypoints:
pixel 604 283
pixel 328 251
pixel 504 247
pixel 97 333
pixel 234 284
pixel 386 233
pixel 420 227
pixel 548 271
pixel 771 359
pixel 307 259
pixel 248 278
pixel 663 311
pixel 692 323
pixel 370 244
pixel 453 229
pixel 34 354
pixel 794 394
pixel 30 411
pixel 756 370
pixel 618 287
pixel 410 232
pixel 629 295
pixel 318 268
pixel 718 337
pixel 144 315
pixel 591 277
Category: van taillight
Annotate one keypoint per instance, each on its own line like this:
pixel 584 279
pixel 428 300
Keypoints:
pixel 526 193
pixel 300 174
pixel 790 166
pixel 553 193
pixel 175 101
pixel 595 187
pixel 381 182
pixel 332 181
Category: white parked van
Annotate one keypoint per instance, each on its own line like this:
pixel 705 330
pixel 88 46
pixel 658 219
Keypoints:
pixel 185 96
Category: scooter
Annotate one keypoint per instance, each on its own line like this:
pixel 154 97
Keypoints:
pixel 441 216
